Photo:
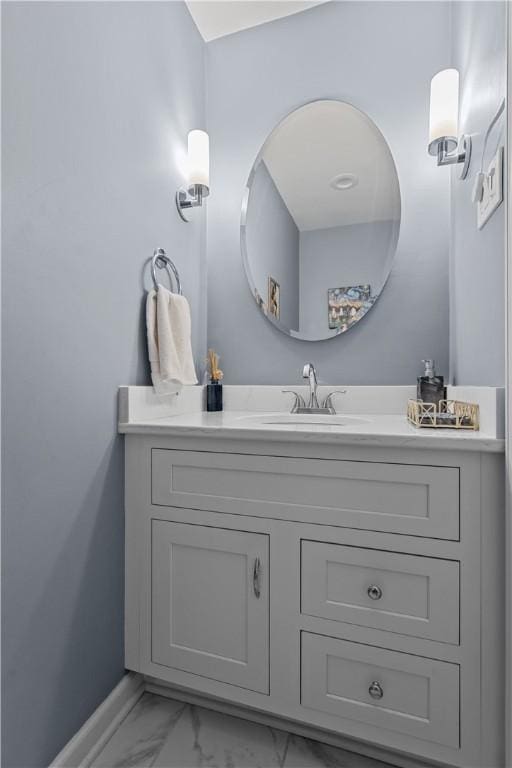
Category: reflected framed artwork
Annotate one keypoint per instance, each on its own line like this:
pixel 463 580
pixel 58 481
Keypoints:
pixel 274 298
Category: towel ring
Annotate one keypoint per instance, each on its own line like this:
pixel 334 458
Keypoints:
pixel 161 260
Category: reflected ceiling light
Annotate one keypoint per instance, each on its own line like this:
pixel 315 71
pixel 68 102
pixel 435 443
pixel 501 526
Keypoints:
pixel 198 186
pixel 444 122
pixel 344 181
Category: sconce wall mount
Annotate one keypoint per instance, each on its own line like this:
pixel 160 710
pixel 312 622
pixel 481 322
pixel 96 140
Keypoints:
pixel 450 152
pixel 198 174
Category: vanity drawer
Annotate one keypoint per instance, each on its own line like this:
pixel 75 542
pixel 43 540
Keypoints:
pixel 406 594
pixel 394 691
pixel 398 498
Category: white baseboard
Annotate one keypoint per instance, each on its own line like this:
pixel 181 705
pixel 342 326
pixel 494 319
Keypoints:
pixel 393 759
pixel 88 742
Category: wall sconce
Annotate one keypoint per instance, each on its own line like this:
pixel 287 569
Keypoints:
pixel 198 174
pixel 444 122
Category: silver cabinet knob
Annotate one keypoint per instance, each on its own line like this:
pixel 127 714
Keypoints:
pixel 375 690
pixel 374 592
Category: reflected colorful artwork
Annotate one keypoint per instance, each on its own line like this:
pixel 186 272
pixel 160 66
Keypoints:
pixel 347 305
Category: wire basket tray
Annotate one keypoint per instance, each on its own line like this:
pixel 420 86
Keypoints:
pixel 451 414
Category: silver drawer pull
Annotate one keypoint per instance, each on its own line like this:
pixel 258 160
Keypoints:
pixel 375 690
pixel 374 592
pixel 256 573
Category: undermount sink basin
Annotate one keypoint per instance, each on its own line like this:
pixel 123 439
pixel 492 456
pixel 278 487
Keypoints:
pixel 306 419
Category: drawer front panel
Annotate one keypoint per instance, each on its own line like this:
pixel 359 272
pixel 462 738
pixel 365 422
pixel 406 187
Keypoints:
pixel 399 498
pixel 394 691
pixel 406 594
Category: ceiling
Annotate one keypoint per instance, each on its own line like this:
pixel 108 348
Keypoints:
pixel 215 18
pixel 315 144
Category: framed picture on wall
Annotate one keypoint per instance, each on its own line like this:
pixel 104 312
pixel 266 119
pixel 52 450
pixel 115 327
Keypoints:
pixel 345 305
pixel 274 298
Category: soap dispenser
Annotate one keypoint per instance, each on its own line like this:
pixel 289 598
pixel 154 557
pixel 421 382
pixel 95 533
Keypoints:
pixel 431 388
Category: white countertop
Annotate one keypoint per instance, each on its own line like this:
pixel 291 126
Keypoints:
pixel 373 430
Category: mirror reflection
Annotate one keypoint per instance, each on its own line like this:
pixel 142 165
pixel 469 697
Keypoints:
pixel 320 220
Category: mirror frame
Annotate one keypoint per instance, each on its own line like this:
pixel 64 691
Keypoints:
pixel 243 226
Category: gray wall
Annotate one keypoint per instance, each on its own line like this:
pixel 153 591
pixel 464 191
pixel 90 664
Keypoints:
pixel 477 304
pixel 272 240
pixel 354 254
pixel 97 99
pixel 380 57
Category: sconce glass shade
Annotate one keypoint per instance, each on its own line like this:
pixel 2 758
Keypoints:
pixel 444 110
pixel 198 158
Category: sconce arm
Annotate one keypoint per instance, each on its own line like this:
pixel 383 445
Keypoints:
pixel 191 198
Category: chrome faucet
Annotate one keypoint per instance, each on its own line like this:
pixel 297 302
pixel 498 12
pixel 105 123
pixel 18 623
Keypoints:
pixel 313 406
pixel 309 372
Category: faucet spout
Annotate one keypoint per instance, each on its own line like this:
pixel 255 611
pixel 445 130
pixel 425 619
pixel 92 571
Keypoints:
pixel 309 373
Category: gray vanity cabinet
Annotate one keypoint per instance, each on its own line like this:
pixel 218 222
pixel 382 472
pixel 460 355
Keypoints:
pixel 352 593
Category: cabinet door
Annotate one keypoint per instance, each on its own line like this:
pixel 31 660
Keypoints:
pixel 210 603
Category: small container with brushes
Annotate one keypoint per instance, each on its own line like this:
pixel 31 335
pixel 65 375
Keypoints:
pixel 214 388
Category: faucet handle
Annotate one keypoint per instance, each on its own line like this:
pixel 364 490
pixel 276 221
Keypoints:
pixel 299 400
pixel 328 400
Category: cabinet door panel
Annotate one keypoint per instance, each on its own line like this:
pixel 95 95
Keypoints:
pixel 210 602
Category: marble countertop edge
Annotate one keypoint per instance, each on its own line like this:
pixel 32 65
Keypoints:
pixel 384 431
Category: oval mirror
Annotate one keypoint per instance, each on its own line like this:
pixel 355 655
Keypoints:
pixel 320 220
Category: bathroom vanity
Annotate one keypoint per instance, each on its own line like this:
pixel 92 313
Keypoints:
pixel 343 580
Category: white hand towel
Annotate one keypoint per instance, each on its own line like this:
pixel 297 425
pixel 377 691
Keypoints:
pixel 169 341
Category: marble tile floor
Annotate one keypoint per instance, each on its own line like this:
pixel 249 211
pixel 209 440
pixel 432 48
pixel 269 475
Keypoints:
pixel 164 733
